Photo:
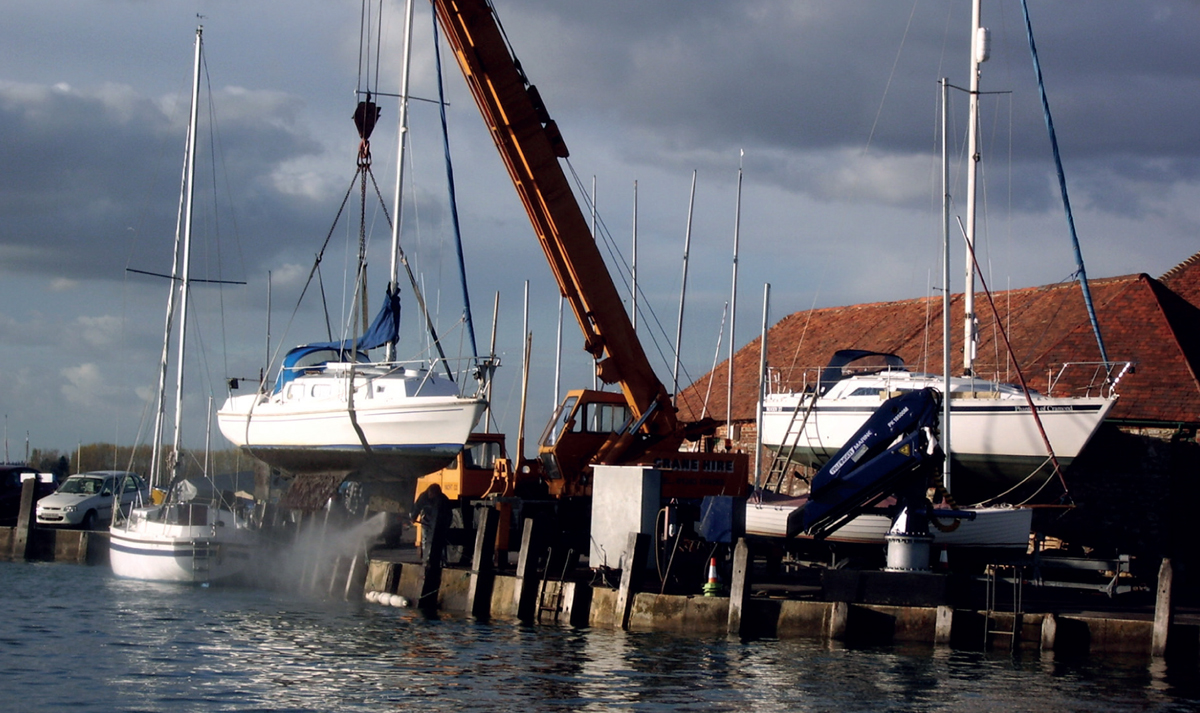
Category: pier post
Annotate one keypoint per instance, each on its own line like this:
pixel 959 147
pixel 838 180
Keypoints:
pixel 526 590
pixel 943 629
pixel 25 519
pixel 356 578
pixel 839 620
pixel 632 565
pixel 1164 613
pixel 1049 631
pixel 738 587
pixel 479 591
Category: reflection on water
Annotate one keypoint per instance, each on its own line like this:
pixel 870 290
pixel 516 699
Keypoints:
pixel 77 638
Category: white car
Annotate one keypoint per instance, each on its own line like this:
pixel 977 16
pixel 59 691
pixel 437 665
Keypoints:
pixel 86 499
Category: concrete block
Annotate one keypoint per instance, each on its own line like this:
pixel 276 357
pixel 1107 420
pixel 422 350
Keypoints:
pixel 603 613
pixel 625 499
pixel 670 612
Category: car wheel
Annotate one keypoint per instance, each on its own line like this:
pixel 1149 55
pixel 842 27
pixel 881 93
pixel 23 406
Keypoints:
pixel 89 520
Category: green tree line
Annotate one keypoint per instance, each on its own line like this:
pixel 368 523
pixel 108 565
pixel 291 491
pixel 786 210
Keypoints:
pixel 108 456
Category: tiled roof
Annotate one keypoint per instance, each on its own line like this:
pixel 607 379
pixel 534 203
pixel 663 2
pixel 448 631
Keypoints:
pixel 1141 320
pixel 1184 279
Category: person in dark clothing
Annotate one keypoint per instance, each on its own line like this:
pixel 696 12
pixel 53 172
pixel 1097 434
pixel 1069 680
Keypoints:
pixel 432 510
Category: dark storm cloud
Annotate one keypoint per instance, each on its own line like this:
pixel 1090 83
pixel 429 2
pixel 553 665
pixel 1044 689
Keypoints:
pixel 82 168
pixel 676 83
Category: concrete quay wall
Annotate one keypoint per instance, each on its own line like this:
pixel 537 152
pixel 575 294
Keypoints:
pixel 580 604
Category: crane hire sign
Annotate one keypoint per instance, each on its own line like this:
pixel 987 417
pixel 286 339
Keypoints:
pixel 695 475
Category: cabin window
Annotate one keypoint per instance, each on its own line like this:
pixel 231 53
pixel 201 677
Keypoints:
pixel 481 455
pixel 866 391
pixel 601 418
pixel 320 391
pixel 562 419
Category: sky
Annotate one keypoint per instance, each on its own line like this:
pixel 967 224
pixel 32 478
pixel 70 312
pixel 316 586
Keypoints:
pixel 829 110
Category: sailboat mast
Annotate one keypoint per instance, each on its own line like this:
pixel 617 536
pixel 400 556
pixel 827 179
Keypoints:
pixel 402 139
pixel 633 267
pixel 185 272
pixel 980 48
pixel 687 246
pixel 737 225
pixel 945 284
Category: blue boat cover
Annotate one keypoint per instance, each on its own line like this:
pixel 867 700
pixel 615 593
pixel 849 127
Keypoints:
pixel 385 329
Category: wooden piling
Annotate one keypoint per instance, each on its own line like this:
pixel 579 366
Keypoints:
pixel 1164 613
pixel 839 620
pixel 739 585
pixel 525 593
pixel 479 591
pixel 944 626
pixel 632 565
pixel 21 542
pixel 1049 631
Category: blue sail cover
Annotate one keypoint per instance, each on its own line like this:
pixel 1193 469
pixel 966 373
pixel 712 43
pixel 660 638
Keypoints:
pixel 385 329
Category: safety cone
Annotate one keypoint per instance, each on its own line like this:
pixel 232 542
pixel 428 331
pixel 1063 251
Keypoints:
pixel 713 587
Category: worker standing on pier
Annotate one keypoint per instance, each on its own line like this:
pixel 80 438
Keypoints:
pixel 432 512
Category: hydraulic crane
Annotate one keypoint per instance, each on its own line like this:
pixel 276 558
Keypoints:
pixel 638 425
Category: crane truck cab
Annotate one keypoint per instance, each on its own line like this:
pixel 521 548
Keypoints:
pixel 597 428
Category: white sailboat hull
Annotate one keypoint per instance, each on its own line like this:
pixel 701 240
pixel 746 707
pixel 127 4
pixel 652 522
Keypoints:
pixel 999 527
pixel 311 426
pixel 156 545
pixel 995 442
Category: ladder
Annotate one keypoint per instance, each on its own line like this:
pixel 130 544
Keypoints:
pixel 200 560
pixel 991 630
pixel 781 463
pixel 553 605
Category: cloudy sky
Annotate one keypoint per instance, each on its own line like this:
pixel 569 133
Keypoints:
pixel 829 108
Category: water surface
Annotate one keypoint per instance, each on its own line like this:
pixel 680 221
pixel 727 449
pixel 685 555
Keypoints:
pixel 77 638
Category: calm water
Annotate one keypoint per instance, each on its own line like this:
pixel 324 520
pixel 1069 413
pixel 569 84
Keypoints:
pixel 76 638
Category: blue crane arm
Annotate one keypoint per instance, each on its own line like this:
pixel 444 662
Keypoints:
pixel 894 449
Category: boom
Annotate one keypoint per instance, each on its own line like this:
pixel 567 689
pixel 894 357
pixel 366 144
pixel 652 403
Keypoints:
pixel 531 145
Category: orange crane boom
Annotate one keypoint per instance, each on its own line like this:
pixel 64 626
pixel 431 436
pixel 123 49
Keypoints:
pixel 590 427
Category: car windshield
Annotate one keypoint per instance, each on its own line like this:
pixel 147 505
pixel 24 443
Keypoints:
pixel 84 486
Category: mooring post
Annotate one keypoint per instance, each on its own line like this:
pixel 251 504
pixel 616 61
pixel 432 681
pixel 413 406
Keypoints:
pixel 320 566
pixel 839 620
pixel 944 626
pixel 479 591
pixel 356 578
pixel 303 525
pixel 632 565
pixel 1164 613
pixel 1049 631
pixel 739 585
pixel 525 593
pixel 25 518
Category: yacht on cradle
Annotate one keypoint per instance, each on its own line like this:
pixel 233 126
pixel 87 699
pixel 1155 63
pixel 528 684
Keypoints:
pixel 1004 442
pixel 196 533
pixel 994 445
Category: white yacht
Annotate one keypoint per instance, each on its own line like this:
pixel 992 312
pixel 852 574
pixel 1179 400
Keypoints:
pixel 995 442
pixel 387 418
pixel 186 537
